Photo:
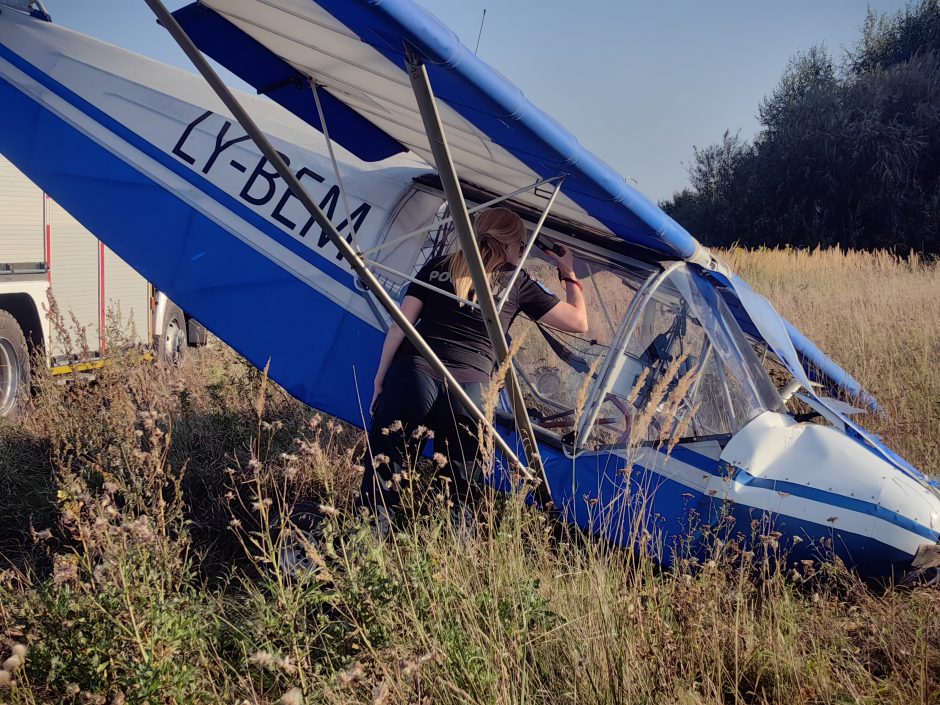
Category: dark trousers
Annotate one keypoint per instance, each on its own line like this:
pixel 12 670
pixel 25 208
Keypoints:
pixel 411 398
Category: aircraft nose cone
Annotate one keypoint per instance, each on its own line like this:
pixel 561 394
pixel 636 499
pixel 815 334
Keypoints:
pixel 821 484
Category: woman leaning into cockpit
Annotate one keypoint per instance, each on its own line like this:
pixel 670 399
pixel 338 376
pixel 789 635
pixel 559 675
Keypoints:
pixel 409 393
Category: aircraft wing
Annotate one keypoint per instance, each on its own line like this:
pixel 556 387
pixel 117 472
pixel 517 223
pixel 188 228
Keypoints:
pixel 499 141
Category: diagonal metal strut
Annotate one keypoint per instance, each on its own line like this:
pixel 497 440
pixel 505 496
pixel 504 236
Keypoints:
pixel 349 253
pixel 528 246
pixel 449 220
pixel 434 130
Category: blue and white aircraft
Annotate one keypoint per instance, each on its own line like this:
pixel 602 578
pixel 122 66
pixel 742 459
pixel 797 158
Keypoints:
pixel 296 256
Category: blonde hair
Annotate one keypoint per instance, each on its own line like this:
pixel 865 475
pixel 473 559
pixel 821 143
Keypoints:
pixel 498 232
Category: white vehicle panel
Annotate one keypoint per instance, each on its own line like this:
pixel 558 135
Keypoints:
pixel 22 226
pixel 75 281
pixel 126 300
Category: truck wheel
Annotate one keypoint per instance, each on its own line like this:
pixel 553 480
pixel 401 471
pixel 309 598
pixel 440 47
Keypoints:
pixel 172 345
pixel 14 366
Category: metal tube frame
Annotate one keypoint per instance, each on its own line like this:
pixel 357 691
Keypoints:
pixel 530 244
pixel 448 220
pixel 440 151
pixel 346 250
pixel 418 282
pixel 618 346
pixel 329 146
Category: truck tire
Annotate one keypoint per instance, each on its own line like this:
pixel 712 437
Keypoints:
pixel 14 366
pixel 171 347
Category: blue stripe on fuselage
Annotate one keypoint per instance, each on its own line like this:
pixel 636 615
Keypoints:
pixel 343 277
pixel 743 477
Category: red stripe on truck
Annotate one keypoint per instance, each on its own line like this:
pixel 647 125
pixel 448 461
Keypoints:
pixel 49 252
pixel 101 315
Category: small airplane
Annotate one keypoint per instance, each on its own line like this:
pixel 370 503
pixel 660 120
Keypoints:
pixel 290 224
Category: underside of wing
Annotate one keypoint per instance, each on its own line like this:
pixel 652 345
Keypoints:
pixel 499 141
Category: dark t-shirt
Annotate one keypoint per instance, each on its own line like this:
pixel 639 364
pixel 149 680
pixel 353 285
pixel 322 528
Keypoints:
pixel 456 333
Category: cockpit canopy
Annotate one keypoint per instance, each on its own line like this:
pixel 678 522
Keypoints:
pixel 664 359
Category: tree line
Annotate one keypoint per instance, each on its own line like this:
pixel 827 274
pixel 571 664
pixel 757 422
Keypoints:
pixel 848 152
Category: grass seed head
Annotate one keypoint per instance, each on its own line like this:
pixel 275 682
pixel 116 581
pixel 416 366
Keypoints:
pixel 380 693
pixel 294 696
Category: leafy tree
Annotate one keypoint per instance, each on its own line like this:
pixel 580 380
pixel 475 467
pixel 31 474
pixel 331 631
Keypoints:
pixel 846 155
pixel 895 39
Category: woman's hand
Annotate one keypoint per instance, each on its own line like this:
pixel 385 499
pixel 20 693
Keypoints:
pixel 569 315
pixel 564 261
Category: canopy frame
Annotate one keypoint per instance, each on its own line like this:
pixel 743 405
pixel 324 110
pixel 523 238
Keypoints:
pixel 529 244
pixel 618 347
pixel 449 219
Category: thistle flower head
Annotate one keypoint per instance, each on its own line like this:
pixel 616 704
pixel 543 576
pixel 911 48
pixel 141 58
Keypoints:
pixel 353 674
pixel 328 511
pixel 380 693
pixel 286 664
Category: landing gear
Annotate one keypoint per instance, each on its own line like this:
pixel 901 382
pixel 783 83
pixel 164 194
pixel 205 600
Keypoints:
pixel 298 537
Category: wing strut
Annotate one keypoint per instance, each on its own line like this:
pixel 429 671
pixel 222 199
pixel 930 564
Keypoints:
pixel 346 250
pixel 447 221
pixel 329 146
pixel 529 244
pixel 421 85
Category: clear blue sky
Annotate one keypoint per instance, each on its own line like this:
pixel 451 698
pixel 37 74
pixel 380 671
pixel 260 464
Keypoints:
pixel 639 82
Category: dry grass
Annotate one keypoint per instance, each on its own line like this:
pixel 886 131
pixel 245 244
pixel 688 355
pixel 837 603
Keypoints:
pixel 878 316
pixel 135 567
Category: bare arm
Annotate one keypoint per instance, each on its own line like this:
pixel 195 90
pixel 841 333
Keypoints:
pixel 569 315
pixel 411 308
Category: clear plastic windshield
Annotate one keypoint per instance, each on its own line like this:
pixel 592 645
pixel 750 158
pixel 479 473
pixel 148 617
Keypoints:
pixel 556 369
pixel 664 359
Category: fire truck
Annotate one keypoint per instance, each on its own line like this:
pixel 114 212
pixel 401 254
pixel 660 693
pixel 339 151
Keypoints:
pixel 49 261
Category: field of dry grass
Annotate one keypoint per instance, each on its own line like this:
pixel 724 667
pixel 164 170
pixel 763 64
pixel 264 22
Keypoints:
pixel 878 316
pixel 135 569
